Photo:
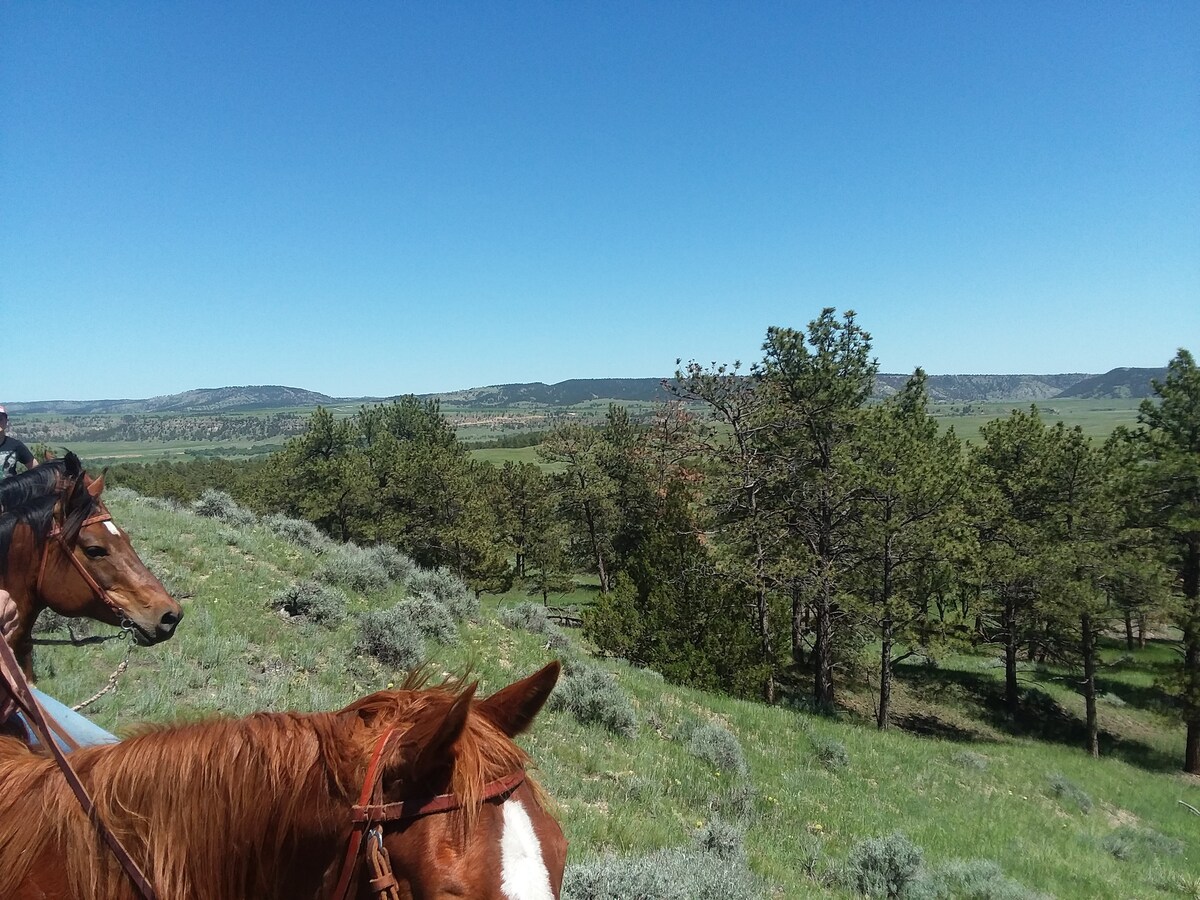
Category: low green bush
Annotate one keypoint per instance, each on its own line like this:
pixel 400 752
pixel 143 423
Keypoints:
pixel 594 698
pixel 716 744
pixel 972 879
pixel 314 601
pixel 447 588
pixel 884 867
pixel 1129 843
pixel 431 618
pixel 533 617
pixel 679 874
pixel 398 565
pixel 831 753
pixel 390 636
pixel 353 568
pixel 1065 789
pixel 214 504
pixel 299 532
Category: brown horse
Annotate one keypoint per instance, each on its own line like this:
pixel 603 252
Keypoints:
pixel 263 808
pixel 59 548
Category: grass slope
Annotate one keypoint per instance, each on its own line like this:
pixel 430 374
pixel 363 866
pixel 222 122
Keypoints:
pixel 974 789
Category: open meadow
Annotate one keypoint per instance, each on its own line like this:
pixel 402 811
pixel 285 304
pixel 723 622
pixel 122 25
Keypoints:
pixel 1014 807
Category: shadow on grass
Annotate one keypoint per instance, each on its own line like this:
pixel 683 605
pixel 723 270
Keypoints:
pixel 1040 717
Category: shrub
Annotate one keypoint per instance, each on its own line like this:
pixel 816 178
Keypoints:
pixel 969 759
pixel 723 839
pixel 737 801
pixel 431 618
pixel 50 621
pixel 664 875
pixel 391 637
pixel 884 867
pixel 1128 843
pixel 973 879
pixel 214 504
pixel 533 617
pixel 593 697
pixel 315 601
pixel 831 753
pixel 1064 789
pixel 717 745
pixel 398 565
pixel 299 532
pixel 447 588
pixel 352 568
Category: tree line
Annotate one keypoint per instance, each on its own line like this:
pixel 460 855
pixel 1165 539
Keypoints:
pixel 767 530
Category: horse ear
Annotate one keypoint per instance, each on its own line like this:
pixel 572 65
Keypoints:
pixel 512 709
pixel 74 467
pixel 431 739
pixel 95 486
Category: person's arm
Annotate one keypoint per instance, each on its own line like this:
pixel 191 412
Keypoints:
pixel 25 458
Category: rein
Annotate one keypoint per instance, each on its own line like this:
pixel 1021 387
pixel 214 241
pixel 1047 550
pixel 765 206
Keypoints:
pixel 56 535
pixel 18 686
pixel 368 818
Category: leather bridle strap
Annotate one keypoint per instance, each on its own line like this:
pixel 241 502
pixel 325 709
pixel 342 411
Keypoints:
pixel 56 534
pixel 27 703
pixel 408 809
pixel 359 828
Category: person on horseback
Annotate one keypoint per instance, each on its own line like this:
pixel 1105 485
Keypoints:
pixel 81 730
pixel 12 451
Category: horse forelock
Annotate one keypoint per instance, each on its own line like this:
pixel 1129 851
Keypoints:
pixel 36 513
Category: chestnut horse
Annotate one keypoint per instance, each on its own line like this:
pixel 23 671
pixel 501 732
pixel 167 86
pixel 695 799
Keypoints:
pixel 264 808
pixel 59 548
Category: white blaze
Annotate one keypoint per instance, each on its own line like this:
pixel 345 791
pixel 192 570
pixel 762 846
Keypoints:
pixel 523 871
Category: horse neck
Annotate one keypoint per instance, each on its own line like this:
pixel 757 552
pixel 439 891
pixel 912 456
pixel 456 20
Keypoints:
pixel 20 580
pixel 214 811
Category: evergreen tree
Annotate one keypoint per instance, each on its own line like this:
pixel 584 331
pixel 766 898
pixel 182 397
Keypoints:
pixel 1169 440
pixel 911 525
pixel 816 381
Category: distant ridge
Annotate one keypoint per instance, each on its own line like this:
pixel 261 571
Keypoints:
pixel 1117 384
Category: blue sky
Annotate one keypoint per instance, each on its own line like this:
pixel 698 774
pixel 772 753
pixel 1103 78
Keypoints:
pixel 377 198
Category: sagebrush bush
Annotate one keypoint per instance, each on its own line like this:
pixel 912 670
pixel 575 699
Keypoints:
pixel 831 753
pixel 1130 843
pixel 299 532
pixel 314 601
pixel 884 867
pixel 431 618
pixel 664 875
pixel 969 759
pixel 214 504
pixel 716 744
pixel 972 879
pixel 398 565
pixel 724 839
pixel 737 801
pixel 533 617
pixel 352 568
pixel 390 636
pixel 447 588
pixel 1065 789
pixel 594 698
pixel 49 621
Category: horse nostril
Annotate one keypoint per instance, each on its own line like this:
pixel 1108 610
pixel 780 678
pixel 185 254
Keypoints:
pixel 166 625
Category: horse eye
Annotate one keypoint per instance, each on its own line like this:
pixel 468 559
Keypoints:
pixel 95 552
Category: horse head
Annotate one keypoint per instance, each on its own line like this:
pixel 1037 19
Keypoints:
pixel 451 808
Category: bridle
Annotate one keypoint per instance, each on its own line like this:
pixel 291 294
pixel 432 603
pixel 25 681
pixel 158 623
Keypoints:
pixel 367 819
pixel 57 538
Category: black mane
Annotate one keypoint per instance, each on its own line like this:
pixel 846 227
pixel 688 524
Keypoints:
pixel 38 514
pixel 32 483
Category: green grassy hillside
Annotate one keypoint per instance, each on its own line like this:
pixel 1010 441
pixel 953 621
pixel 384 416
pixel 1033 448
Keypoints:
pixel 972 786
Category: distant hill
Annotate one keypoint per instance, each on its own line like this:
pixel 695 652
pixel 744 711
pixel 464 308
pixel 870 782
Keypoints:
pixel 1118 384
pixel 201 400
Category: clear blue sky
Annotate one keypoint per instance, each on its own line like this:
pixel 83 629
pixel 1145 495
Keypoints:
pixel 377 198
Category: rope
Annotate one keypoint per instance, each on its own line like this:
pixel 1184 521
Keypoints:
pixel 112 683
